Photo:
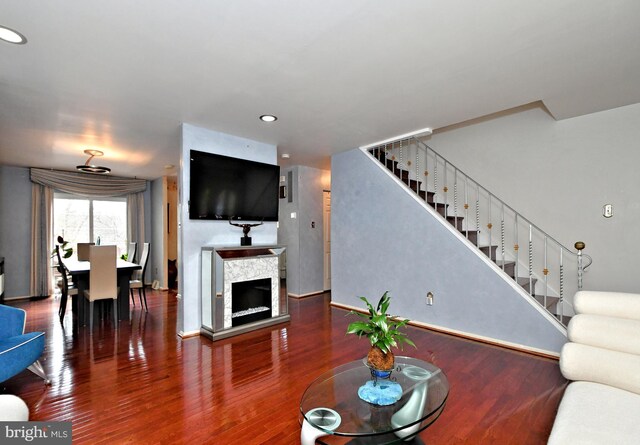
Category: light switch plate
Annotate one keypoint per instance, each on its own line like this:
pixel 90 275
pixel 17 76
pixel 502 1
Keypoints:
pixel 607 210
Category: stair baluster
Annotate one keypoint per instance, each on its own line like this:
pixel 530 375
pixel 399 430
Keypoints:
pixel 530 260
pixel 561 301
pixel 466 205
pixel 489 225
pixel 545 272
pixel 502 237
pixel 455 196
pixel 516 245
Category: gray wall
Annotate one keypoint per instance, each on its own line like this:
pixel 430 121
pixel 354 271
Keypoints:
pixel 194 234
pixel 559 174
pixel 305 262
pixel 384 239
pixel 15 229
pixel 289 231
pixel 156 257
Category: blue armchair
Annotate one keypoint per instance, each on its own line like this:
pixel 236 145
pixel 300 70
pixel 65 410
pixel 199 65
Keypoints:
pixel 17 349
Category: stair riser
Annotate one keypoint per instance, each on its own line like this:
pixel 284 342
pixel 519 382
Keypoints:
pixel 494 252
pixel 524 283
pixel 510 269
pixel 402 174
pixel 456 222
pixel 472 235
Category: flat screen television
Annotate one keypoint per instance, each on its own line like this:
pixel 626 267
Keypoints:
pixel 223 188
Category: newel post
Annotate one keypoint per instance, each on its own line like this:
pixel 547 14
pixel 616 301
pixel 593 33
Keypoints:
pixel 579 245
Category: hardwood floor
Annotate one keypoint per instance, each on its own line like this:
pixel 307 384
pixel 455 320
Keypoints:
pixel 144 385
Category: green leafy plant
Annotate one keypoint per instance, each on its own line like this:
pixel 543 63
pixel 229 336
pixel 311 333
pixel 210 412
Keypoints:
pixel 382 330
pixel 63 246
pixel 124 256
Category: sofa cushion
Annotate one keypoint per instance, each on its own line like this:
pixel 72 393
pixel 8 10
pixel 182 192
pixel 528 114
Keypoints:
pixel 609 304
pixel 13 409
pixel 598 365
pixel 617 334
pixel 19 352
pixel 591 413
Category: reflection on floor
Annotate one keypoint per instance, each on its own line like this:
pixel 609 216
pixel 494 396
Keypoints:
pixel 143 384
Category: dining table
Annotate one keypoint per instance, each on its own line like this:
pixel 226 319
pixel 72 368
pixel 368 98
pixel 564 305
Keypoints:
pixel 80 272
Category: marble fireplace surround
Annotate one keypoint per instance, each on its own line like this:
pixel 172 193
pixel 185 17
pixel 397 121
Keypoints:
pixel 238 270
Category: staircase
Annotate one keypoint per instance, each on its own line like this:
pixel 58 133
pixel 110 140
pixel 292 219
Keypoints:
pixel 441 185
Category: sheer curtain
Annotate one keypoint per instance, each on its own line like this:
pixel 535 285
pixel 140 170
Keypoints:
pixel 41 239
pixel 82 184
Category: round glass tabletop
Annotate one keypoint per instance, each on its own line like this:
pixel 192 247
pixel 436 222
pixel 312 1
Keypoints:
pixel 331 403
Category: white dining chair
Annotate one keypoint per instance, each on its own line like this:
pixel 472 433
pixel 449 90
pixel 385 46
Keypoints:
pixel 103 282
pixel 138 281
pixel 82 250
pixel 131 252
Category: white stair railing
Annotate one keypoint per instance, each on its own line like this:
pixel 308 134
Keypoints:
pixel 536 260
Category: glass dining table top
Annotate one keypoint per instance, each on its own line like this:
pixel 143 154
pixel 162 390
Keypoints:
pixel 425 389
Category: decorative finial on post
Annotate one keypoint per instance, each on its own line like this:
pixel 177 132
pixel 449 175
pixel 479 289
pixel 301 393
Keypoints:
pixel 579 245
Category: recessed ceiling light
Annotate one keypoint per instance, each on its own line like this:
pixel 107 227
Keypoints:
pixel 285 155
pixel 268 118
pixel 11 36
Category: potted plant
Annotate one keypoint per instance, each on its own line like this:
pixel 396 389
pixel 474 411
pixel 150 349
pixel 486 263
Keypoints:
pixel 383 333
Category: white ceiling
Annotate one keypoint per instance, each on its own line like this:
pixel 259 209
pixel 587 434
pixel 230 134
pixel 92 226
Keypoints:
pixel 121 75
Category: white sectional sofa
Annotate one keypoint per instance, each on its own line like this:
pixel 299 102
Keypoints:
pixel 13 409
pixel 602 359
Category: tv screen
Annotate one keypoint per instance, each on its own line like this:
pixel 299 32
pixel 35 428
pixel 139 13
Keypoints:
pixel 222 187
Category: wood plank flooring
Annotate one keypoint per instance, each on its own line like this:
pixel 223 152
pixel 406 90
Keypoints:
pixel 144 385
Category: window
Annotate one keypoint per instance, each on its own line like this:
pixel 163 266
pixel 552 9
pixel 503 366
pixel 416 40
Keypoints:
pixel 87 220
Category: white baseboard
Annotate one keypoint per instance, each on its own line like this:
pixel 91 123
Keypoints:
pixel 306 295
pixel 188 334
pixel 466 335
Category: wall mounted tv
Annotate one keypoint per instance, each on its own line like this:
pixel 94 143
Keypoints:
pixel 222 187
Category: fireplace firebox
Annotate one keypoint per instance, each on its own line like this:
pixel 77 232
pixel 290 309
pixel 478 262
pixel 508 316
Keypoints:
pixel 250 301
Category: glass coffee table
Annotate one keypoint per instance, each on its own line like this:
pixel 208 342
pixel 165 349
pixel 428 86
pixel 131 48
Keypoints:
pixel 331 406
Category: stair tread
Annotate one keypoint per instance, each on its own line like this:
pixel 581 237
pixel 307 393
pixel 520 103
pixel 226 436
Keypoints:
pixel 506 263
pixel 524 281
pixel 565 319
pixel 551 301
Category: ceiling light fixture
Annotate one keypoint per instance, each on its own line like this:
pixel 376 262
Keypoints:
pixel 268 118
pixel 285 155
pixel 11 36
pixel 90 168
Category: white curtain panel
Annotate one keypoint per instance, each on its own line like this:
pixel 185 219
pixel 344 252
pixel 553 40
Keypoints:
pixel 41 240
